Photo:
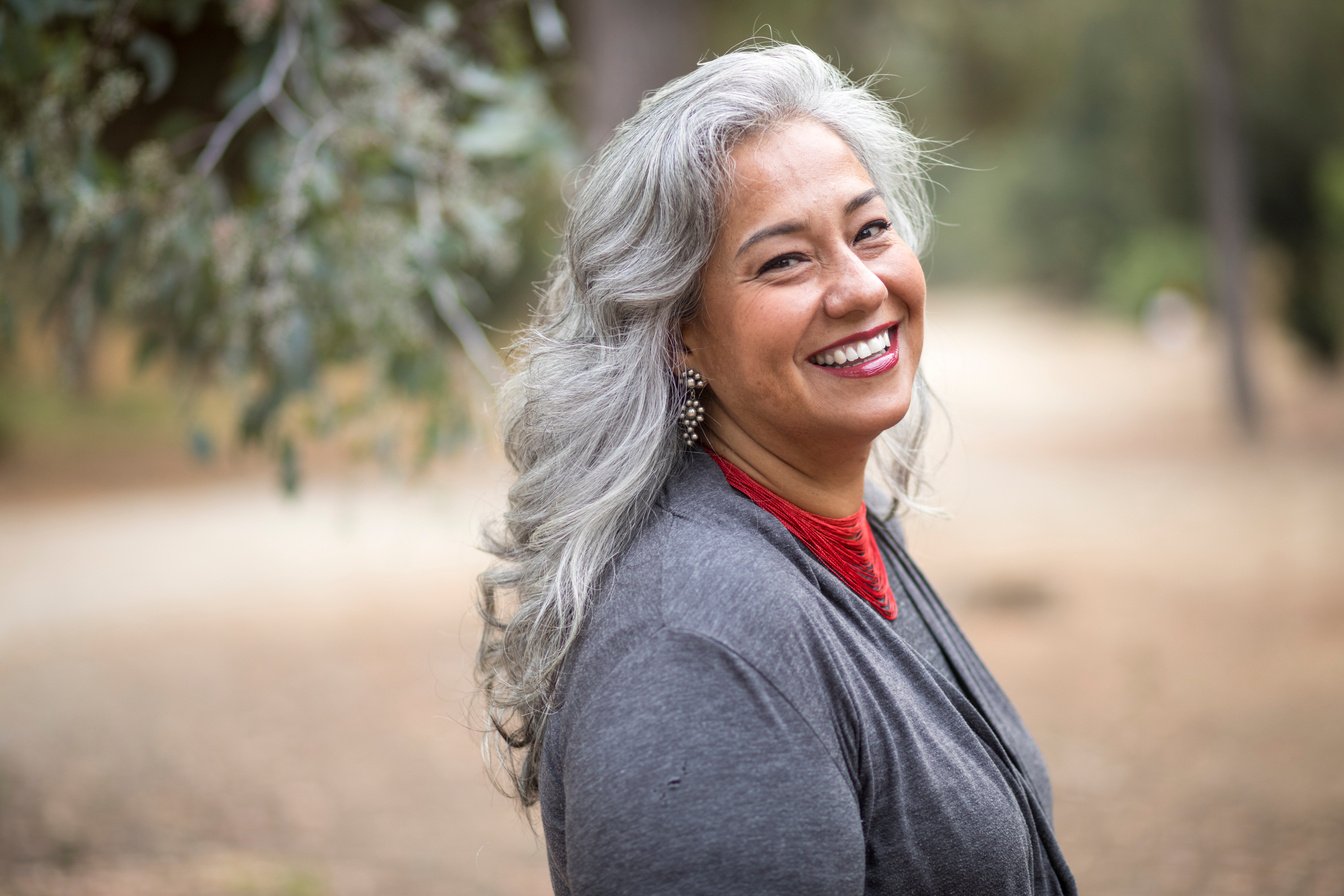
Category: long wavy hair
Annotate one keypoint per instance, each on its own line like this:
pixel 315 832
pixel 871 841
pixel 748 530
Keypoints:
pixel 588 416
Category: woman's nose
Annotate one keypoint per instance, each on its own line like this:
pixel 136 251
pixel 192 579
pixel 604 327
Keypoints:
pixel 853 286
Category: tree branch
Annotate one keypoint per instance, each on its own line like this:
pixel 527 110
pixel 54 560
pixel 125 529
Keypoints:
pixel 272 80
pixel 288 114
pixel 448 304
pixel 447 297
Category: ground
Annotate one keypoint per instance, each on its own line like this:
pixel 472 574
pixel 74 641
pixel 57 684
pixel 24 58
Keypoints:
pixel 206 688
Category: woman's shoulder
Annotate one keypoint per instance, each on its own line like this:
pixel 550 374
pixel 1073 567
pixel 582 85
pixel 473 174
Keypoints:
pixel 672 620
pixel 719 576
pixel 709 571
pixel 670 629
pixel 716 564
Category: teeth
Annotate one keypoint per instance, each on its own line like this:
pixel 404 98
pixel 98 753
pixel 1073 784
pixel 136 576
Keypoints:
pixel 854 351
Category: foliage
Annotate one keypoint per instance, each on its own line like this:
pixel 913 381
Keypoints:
pixel 1150 261
pixel 271 190
pixel 1322 321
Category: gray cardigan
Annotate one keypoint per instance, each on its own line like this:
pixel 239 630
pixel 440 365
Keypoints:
pixel 735 720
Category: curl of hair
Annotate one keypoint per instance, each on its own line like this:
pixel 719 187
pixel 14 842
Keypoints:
pixel 588 416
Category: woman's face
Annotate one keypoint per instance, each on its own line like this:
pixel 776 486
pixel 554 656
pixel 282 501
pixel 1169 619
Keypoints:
pixel 812 315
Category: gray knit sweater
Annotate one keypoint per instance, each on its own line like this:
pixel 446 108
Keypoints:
pixel 735 720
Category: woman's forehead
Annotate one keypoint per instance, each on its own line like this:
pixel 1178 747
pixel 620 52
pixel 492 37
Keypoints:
pixel 799 169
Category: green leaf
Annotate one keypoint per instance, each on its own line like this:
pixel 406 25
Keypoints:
pixel 289 467
pixel 481 83
pixel 156 56
pixel 186 13
pixel 415 372
pixel 7 326
pixel 29 11
pixel 1330 189
pixel 115 251
pixel 294 351
pixel 21 56
pixel 498 132
pixel 9 216
pixel 202 445
pixel 258 414
pixel 149 347
pixel 75 7
pixel 441 20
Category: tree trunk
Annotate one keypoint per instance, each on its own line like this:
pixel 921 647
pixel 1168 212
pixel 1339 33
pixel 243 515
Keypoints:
pixel 1226 207
pixel 627 48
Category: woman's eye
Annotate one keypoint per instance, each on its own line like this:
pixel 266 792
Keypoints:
pixel 872 229
pixel 779 263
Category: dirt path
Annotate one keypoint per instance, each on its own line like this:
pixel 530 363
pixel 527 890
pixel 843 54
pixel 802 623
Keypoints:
pixel 213 690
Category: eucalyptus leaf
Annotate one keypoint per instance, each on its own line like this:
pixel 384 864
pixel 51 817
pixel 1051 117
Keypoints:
pixel 7 324
pixel 1329 178
pixel 441 19
pixel 481 82
pixel 186 13
pixel 149 347
pixel 202 445
pixel 10 233
pixel 289 467
pixel 30 12
pixel 548 26
pixel 294 350
pixel 498 132
pixel 156 57
pixel 21 55
pixel 76 8
pixel 258 414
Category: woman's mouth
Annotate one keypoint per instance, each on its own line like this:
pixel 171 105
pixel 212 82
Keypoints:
pixel 856 352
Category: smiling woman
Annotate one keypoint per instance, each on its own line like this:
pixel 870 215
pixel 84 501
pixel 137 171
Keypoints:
pixel 707 653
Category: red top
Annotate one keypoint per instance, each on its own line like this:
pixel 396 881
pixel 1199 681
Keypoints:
pixel 845 546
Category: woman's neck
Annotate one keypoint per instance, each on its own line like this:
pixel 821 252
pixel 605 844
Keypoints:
pixel 830 486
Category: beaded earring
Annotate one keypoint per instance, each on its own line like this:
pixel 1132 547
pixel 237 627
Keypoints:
pixel 692 412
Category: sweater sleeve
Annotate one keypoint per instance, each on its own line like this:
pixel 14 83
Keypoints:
pixel 688 771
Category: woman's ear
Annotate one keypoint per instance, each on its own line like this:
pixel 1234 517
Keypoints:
pixel 690 334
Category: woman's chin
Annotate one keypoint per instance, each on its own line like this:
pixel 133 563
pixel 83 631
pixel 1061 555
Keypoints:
pixel 854 432
pixel 884 416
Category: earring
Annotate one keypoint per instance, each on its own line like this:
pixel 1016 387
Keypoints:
pixel 692 412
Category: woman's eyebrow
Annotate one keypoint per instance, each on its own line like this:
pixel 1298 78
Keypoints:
pixel 861 200
pixel 765 233
pixel 787 227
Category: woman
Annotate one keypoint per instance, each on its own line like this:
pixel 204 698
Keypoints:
pixel 722 673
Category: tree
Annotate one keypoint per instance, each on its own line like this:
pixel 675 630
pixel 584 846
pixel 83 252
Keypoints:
pixel 269 190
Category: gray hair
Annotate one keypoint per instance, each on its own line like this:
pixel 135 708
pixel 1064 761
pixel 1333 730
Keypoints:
pixel 588 417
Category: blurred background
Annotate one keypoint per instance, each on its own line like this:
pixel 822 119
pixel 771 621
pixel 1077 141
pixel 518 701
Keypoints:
pixel 259 260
